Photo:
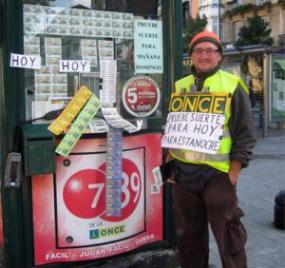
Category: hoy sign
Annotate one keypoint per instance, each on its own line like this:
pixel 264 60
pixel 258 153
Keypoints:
pixel 74 66
pixel 25 61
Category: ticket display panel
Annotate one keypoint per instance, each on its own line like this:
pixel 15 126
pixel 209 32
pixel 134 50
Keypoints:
pixel 70 217
pixel 65 43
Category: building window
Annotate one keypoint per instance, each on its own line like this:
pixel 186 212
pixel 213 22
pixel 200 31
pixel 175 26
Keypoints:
pixel 204 3
pixel 186 12
pixel 261 2
pixel 236 28
pixel 265 19
pixel 213 24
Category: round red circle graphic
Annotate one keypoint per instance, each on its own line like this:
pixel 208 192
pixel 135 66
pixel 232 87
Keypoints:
pixel 141 96
pixel 84 193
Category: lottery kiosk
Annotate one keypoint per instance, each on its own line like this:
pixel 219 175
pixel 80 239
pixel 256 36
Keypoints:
pixel 85 86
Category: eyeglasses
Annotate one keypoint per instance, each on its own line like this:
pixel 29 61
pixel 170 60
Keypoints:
pixel 209 51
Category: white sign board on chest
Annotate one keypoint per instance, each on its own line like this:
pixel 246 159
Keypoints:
pixel 201 132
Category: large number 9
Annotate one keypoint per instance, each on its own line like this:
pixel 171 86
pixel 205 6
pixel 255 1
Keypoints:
pixel 131 190
pixel 134 182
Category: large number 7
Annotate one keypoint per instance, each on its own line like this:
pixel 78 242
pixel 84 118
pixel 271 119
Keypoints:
pixel 100 187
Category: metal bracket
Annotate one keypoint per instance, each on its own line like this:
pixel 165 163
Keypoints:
pixel 13 170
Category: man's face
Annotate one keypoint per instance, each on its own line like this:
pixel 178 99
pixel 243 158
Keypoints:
pixel 205 57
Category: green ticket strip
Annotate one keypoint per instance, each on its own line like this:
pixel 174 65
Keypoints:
pixel 78 127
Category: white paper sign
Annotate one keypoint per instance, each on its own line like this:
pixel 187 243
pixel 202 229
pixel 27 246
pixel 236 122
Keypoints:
pixel 108 68
pixel 115 120
pixel 98 126
pixel 201 132
pixel 25 61
pixel 108 74
pixel 74 66
pixel 148 49
pixel 157 176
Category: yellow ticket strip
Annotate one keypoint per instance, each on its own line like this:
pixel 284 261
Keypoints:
pixel 70 111
pixel 79 126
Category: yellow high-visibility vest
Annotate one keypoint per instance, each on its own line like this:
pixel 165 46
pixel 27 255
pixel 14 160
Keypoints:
pixel 220 82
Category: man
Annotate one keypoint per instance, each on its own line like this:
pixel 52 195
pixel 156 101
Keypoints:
pixel 205 184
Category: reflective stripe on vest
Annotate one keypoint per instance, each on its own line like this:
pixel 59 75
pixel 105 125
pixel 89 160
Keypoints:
pixel 197 156
pixel 222 82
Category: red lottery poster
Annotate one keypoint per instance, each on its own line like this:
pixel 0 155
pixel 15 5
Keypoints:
pixel 69 207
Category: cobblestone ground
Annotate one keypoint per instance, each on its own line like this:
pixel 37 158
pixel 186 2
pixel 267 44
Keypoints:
pixel 257 188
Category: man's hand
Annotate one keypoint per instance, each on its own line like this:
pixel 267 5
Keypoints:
pixel 234 171
pixel 171 180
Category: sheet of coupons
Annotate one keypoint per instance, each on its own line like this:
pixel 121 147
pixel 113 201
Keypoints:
pixel 70 111
pixel 79 126
pixel 108 76
pixel 115 120
pixel 114 175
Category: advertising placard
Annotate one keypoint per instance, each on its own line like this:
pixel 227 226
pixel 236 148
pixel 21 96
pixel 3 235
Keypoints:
pixel 196 122
pixel 25 61
pixel 200 132
pixel 69 207
pixel 277 111
pixel 141 96
pixel 148 46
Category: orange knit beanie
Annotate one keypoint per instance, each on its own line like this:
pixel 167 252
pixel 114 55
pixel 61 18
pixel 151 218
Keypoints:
pixel 205 36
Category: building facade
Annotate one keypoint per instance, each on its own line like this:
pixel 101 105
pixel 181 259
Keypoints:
pixel 213 10
pixel 190 8
pixel 226 17
pixel 238 11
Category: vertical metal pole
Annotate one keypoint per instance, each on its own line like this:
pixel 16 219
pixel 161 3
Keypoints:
pixel 13 107
pixel 219 19
pixel 173 24
pixel 266 91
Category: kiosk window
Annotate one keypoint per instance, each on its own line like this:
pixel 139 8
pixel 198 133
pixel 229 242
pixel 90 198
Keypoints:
pixel 79 31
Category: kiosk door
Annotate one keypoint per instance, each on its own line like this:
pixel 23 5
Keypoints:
pixel 120 51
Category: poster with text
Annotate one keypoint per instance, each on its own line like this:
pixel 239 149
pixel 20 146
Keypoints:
pixel 277 111
pixel 148 49
pixel 69 213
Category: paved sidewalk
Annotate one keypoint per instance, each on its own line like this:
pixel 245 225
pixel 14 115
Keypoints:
pixel 257 188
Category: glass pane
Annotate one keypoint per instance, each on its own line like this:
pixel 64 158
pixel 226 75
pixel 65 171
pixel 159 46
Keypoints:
pixel 83 30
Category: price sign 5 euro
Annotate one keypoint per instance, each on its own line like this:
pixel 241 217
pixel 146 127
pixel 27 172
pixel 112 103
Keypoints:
pixel 141 96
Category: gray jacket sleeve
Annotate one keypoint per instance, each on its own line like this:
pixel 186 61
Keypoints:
pixel 242 128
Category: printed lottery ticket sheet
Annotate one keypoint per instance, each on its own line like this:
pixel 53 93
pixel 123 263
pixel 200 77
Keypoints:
pixel 108 74
pixel 79 126
pixel 115 120
pixel 114 174
pixel 70 111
